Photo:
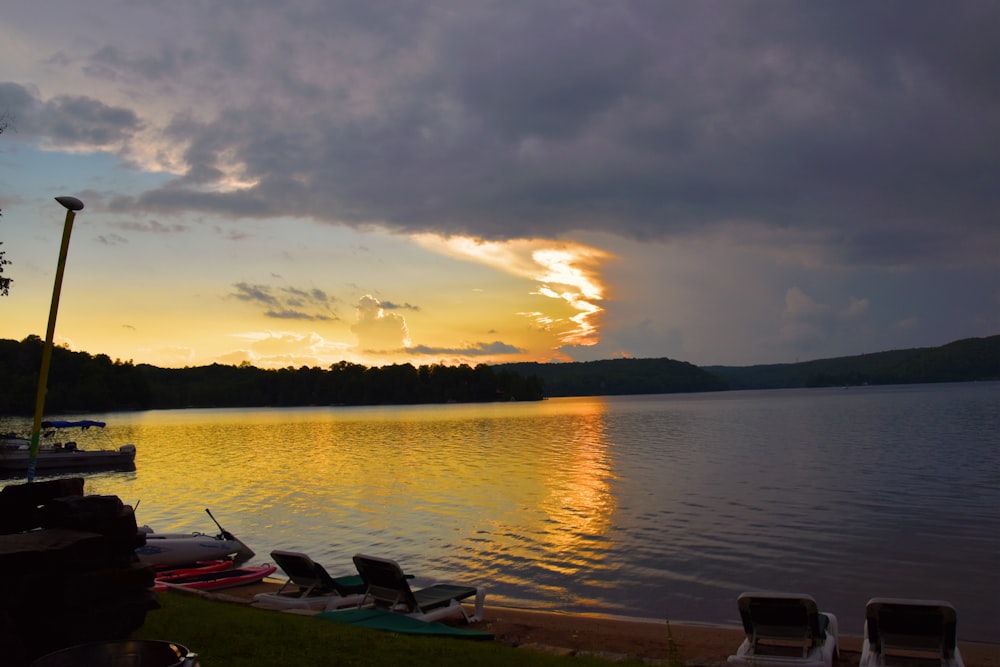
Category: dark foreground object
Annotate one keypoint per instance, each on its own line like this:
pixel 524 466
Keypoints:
pixel 73 574
pixel 137 653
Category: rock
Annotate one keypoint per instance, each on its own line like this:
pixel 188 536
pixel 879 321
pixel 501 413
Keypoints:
pixel 73 573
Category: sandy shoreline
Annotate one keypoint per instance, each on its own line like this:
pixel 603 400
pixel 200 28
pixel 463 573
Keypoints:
pixel 696 645
pixel 573 633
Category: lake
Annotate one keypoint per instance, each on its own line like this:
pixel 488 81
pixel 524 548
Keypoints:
pixel 663 506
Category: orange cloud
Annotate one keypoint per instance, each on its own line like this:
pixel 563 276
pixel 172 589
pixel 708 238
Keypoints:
pixel 378 330
pixel 565 271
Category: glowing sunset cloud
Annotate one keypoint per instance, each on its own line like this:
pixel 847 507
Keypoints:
pixel 565 271
pixel 564 268
pixel 378 330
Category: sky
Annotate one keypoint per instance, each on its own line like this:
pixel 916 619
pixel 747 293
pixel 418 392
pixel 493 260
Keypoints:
pixel 466 181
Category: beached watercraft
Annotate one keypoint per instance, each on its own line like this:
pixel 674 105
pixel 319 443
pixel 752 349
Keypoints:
pixel 211 581
pixel 198 568
pixel 167 550
pixel 60 453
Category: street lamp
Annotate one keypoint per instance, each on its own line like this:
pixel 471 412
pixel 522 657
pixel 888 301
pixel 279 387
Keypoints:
pixel 72 205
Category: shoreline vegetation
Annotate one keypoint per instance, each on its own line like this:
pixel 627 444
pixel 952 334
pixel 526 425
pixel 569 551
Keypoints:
pixel 224 633
pixel 80 382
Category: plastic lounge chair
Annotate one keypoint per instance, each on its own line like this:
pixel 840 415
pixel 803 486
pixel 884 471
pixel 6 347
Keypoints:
pixel 309 586
pixel 900 630
pixel 785 629
pixel 388 588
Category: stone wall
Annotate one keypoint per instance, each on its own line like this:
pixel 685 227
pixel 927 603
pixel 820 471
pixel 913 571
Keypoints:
pixel 71 575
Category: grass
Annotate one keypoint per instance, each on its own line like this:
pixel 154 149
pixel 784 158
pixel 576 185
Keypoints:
pixel 232 635
pixel 673 650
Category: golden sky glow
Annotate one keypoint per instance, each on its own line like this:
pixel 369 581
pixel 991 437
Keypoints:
pixel 300 293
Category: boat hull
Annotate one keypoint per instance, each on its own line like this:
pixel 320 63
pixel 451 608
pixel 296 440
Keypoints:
pixel 211 581
pixel 16 460
pixel 202 567
pixel 179 549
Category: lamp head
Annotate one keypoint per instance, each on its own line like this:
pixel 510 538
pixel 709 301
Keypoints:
pixel 71 203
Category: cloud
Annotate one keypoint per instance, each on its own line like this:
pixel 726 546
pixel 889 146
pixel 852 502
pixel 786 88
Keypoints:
pixel 254 293
pixel 811 324
pixel 173 356
pixel 112 239
pixel 112 64
pixel 389 305
pixel 289 303
pixel 800 306
pixel 282 349
pixel 286 314
pixel 472 350
pixel 153 227
pixel 564 271
pixel 857 308
pixel 804 318
pixel 67 121
pixel 648 120
pixel 377 330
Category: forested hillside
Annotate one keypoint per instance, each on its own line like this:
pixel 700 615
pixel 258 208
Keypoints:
pixel 620 376
pixel 80 382
pixel 961 361
pixel 965 360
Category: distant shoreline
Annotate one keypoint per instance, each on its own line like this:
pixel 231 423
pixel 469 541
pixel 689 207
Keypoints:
pixel 83 383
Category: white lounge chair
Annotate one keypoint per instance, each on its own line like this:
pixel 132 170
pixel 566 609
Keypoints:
pixel 899 630
pixel 309 586
pixel 388 588
pixel 785 630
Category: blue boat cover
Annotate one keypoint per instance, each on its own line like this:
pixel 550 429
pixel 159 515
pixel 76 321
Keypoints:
pixel 383 619
pixel 83 423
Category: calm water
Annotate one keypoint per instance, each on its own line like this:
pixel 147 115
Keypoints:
pixel 651 506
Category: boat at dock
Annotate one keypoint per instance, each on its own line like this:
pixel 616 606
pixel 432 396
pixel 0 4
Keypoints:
pixel 58 450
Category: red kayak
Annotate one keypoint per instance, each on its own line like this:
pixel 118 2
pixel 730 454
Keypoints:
pixel 200 567
pixel 209 581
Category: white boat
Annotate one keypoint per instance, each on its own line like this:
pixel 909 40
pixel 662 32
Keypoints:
pixel 58 453
pixel 164 550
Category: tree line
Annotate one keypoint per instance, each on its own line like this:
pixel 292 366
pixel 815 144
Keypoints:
pixel 617 377
pixel 81 382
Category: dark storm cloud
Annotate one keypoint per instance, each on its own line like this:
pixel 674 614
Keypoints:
pixel 16 100
pixel 111 63
pixel 875 124
pixel 67 120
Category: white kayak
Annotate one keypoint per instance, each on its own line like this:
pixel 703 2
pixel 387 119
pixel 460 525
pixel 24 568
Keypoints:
pixel 163 550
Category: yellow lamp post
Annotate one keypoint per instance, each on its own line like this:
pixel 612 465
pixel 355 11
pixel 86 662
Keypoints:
pixel 72 205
